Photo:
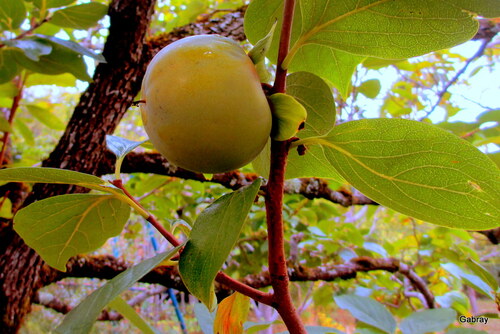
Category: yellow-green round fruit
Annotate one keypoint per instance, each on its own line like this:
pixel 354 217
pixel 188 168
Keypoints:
pixel 204 107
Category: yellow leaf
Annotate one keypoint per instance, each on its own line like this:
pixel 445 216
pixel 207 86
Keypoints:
pixel 231 314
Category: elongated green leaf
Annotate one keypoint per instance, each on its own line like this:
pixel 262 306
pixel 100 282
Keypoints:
pixel 80 319
pixel 25 132
pixel 63 226
pixel 46 117
pixel 322 330
pixel 33 48
pixel 368 311
pixel 214 234
pixel 61 80
pixel 483 273
pixel 75 47
pixel 81 16
pixel 417 169
pixel 12 14
pixel 327 35
pixel 427 321
pixel 128 312
pixel 4 125
pixel 50 175
pixel 60 60
pixel 474 281
pixel 259 51
pixel 8 67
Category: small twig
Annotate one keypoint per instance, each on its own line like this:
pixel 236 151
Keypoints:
pixel 442 92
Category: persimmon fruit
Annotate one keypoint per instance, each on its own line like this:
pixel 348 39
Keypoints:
pixel 203 105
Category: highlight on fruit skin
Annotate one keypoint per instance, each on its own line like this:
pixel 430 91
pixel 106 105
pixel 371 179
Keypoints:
pixel 205 110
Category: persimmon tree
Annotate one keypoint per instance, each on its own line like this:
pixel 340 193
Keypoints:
pixel 306 54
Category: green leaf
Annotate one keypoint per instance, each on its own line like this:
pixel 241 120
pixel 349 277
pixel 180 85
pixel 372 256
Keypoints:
pixel 4 124
pixel 60 60
pixel 121 146
pixel 370 88
pixel 484 8
pixel 456 300
pixel 75 47
pixel 472 280
pixel 368 311
pixel 8 67
pixel 316 96
pixel 417 169
pixel 214 234
pixel 12 14
pixel 52 3
pixel 489 116
pixel 60 227
pixel 128 312
pixel 51 175
pixel 81 318
pixel 435 320
pixel 46 117
pixel 483 273
pixel 288 116
pixel 61 80
pixel 25 131
pixel 82 16
pixel 33 48
pixel 259 51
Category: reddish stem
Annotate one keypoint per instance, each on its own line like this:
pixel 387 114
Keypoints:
pixel 278 269
pixel 13 109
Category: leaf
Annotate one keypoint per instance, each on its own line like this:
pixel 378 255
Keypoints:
pixel 51 175
pixel 52 3
pixel 232 312
pixel 316 96
pixel 214 234
pixel 82 16
pixel 81 318
pixel 46 117
pixel 60 227
pixel 12 14
pixel 434 320
pixel 4 124
pixel 61 80
pixel 474 281
pixel 417 169
pixel 33 48
pixel 121 146
pixel 25 131
pixel 75 47
pixel 288 116
pixel 8 67
pixel 456 300
pixel 484 8
pixel 259 51
pixel 370 88
pixel 60 60
pixel 489 116
pixel 128 312
pixel 482 273
pixel 205 318
pixel 368 311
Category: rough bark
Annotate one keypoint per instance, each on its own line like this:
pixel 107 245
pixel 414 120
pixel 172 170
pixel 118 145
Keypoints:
pixel 81 147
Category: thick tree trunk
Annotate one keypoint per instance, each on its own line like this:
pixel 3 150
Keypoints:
pixel 101 107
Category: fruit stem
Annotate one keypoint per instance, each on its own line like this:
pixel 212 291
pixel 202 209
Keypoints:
pixel 282 300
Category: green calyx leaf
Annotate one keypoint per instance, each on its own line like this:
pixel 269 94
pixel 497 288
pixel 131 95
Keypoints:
pixel 259 51
pixel 214 234
pixel 64 226
pixel 417 169
pixel 288 116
